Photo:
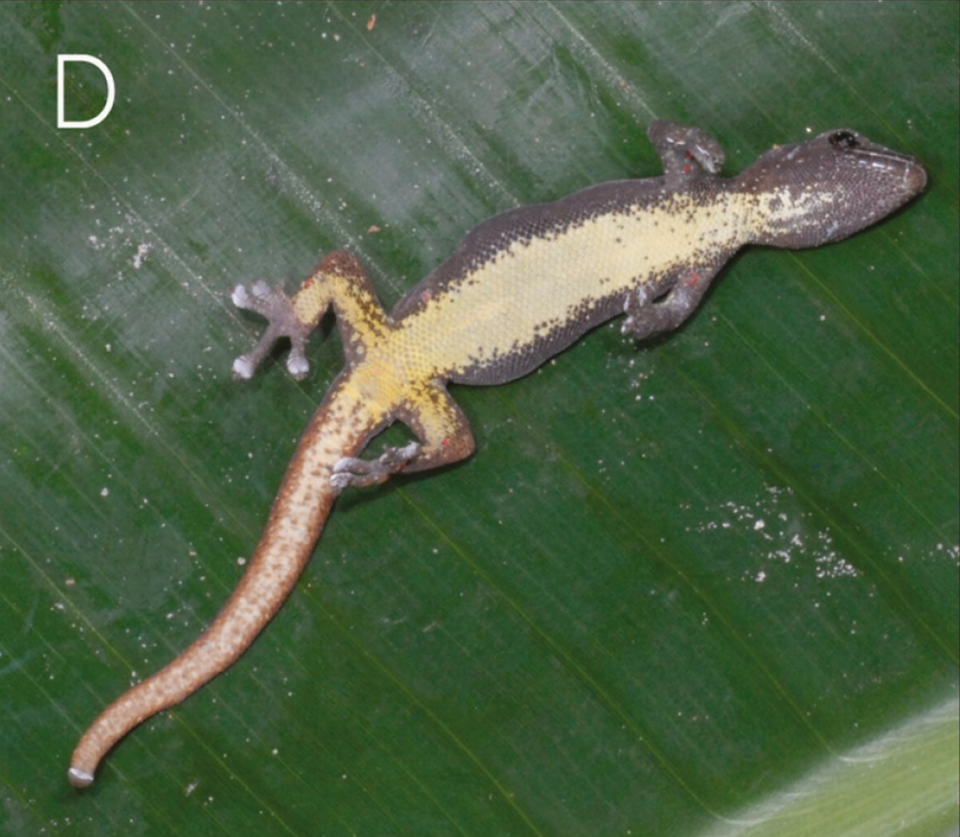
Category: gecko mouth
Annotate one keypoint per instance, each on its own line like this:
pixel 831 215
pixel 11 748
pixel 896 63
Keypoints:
pixel 909 174
pixel 914 177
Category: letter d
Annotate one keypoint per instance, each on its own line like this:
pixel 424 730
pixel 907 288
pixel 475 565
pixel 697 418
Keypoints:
pixel 89 59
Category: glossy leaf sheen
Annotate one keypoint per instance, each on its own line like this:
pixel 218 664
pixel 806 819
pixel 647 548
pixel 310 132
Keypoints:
pixel 686 588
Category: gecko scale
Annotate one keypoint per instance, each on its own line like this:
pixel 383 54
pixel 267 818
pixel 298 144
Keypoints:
pixel 520 288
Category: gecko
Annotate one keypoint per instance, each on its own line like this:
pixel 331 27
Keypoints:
pixel 519 289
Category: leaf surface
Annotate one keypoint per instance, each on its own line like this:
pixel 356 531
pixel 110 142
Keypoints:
pixel 684 588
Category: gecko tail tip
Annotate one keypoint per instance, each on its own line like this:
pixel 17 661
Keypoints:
pixel 79 778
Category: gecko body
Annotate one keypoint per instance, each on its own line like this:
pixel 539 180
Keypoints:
pixel 520 288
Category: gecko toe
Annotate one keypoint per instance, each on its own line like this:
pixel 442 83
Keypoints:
pixel 243 368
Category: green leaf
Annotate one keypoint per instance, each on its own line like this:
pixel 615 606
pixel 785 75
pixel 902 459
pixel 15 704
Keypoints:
pixel 707 586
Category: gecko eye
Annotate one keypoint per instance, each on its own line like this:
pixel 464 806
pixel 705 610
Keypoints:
pixel 844 140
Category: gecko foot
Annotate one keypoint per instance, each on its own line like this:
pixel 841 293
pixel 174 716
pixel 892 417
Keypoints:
pixel 663 304
pixel 686 152
pixel 653 309
pixel 352 470
pixel 274 304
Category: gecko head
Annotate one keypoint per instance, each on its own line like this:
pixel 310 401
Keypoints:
pixel 828 188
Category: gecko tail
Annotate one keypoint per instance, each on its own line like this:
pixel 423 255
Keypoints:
pixel 245 615
pixel 340 428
